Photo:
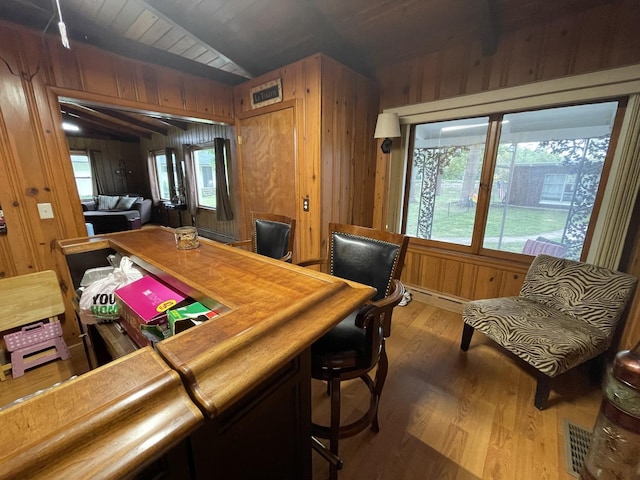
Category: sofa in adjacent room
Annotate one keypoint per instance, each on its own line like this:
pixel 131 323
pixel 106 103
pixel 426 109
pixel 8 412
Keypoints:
pixel 116 213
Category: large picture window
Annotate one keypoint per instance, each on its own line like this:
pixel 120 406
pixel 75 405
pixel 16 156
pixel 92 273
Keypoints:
pixel 515 182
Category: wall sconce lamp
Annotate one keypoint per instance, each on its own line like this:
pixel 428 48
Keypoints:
pixel 387 127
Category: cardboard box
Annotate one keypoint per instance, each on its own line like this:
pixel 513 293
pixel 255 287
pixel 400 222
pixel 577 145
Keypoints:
pixel 185 317
pixel 144 304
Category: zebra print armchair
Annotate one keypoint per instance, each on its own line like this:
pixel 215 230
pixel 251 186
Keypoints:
pixel 566 314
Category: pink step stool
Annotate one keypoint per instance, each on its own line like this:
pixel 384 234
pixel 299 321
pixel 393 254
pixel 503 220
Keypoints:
pixel 32 339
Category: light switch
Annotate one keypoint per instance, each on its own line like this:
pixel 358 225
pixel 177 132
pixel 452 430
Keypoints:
pixel 45 210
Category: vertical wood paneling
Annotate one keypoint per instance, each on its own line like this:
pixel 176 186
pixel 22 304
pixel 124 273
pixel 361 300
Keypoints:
pixel 125 78
pixel 593 29
pixel 64 66
pixel 454 67
pixel 111 153
pixel 148 88
pixel 308 93
pixel 204 99
pixel 623 45
pixel 97 73
pixel 558 51
pixel 363 155
pixel 488 281
pixel 170 89
pixel 450 281
pixel 478 70
pixel 524 56
pixel 34 161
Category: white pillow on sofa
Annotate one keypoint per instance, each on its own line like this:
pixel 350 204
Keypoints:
pixel 126 203
pixel 107 202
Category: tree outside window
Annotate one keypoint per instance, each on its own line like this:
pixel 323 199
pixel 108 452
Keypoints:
pixel 545 176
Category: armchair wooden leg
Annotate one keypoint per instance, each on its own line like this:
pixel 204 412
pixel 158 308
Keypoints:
pixel 381 376
pixel 467 333
pixel 543 389
pixel 335 425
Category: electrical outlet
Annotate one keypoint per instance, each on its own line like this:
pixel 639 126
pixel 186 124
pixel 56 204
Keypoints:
pixel 45 211
pixel 305 204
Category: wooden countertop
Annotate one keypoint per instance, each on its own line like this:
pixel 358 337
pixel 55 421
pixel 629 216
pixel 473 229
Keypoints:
pixel 276 310
pixel 108 423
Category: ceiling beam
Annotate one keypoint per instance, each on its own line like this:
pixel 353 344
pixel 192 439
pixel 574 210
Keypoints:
pixel 118 115
pixel 186 25
pixel 489 28
pixel 218 37
pixel 86 31
pixel 93 130
pixel 85 114
pixel 175 123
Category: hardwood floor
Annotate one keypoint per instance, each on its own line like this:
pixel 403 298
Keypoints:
pixel 444 414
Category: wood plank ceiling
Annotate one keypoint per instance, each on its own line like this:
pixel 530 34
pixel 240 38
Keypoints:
pixel 231 41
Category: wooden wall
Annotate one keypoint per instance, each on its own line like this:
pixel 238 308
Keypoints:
pixel 599 38
pixel 34 162
pixel 335 112
pixel 111 155
pixel 349 113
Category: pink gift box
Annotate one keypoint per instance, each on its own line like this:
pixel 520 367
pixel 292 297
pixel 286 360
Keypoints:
pixel 145 301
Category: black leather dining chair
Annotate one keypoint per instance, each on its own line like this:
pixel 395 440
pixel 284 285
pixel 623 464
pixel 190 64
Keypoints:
pixel 273 236
pixel 357 344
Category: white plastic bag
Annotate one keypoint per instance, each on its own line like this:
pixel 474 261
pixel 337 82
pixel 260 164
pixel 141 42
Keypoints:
pixel 98 300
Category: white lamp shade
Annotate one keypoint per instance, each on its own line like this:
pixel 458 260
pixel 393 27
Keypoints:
pixel 387 126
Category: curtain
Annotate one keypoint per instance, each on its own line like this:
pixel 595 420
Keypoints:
pixel 190 184
pixel 623 186
pixel 153 178
pixel 223 202
pixel 97 174
pixel 173 190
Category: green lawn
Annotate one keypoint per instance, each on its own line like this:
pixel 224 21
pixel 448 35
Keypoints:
pixel 456 223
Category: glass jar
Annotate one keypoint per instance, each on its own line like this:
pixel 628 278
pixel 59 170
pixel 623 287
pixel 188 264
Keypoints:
pixel 614 451
pixel 186 238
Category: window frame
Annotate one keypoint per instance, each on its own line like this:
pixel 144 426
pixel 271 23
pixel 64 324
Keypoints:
pixel 85 153
pixel 488 167
pixel 171 180
pixel 194 148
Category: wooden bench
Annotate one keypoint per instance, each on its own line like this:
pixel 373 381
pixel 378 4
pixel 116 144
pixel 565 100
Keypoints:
pixel 542 245
pixel 27 299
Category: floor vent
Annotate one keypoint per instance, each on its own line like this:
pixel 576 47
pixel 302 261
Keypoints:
pixel 576 444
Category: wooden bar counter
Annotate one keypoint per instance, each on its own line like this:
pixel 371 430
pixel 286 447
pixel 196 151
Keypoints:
pixel 247 371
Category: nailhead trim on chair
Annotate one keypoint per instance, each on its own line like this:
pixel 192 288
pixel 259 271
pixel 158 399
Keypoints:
pixel 367 239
